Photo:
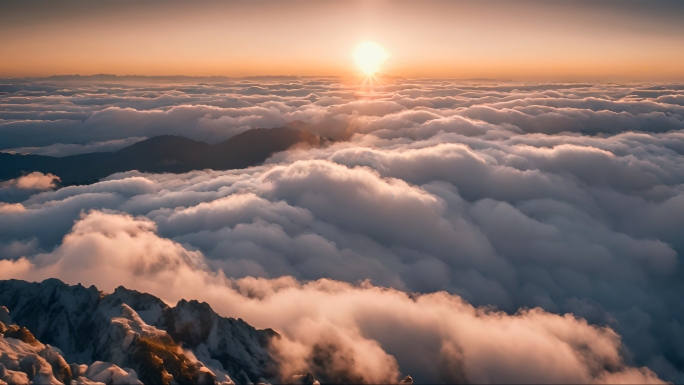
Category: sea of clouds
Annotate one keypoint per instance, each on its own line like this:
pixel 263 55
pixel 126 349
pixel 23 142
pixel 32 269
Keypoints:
pixel 455 231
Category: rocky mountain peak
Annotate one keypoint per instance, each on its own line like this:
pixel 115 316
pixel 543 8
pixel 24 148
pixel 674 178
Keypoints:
pixel 127 336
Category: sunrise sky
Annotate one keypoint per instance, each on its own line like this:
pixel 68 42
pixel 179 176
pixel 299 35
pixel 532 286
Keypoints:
pixel 522 40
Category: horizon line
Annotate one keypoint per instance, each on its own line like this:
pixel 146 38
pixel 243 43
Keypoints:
pixel 395 77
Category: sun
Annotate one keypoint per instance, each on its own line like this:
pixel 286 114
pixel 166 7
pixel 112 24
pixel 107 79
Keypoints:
pixel 369 57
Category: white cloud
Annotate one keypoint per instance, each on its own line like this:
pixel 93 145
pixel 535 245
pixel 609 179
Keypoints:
pixel 561 196
pixel 32 181
pixel 339 331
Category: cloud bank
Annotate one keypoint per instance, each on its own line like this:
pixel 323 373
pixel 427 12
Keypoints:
pixel 339 331
pixel 481 222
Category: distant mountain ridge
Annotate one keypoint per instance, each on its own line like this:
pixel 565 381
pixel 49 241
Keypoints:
pixel 165 153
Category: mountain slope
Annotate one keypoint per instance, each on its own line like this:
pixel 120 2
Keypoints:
pixel 165 153
pixel 128 329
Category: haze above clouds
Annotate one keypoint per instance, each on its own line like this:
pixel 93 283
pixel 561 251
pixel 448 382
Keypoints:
pixel 560 198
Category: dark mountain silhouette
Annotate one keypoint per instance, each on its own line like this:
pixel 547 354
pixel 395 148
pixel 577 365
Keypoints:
pixel 165 153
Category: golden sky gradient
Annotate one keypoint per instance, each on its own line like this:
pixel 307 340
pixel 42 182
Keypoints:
pixel 522 40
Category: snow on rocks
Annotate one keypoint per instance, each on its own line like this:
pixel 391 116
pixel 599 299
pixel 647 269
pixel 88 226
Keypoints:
pixel 108 373
pixel 22 362
pixel 125 337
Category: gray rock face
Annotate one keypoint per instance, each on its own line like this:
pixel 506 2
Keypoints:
pixel 128 329
pixel 241 349
pixel 54 312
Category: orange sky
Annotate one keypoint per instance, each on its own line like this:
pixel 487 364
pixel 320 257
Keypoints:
pixel 522 40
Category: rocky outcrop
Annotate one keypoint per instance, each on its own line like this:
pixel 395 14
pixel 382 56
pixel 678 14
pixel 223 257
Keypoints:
pixel 125 337
pixel 24 359
pixel 239 348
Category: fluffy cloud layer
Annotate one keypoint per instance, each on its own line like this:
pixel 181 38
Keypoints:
pixel 339 331
pixel 561 198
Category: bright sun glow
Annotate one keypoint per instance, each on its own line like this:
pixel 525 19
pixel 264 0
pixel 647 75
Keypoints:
pixel 369 57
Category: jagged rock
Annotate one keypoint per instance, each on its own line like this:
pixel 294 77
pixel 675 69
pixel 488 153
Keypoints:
pixel 12 377
pixel 78 370
pixel 111 374
pixel 55 313
pixel 134 333
pixel 408 380
pixel 21 362
pixel 240 349
pixel 60 369
pixel 19 333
